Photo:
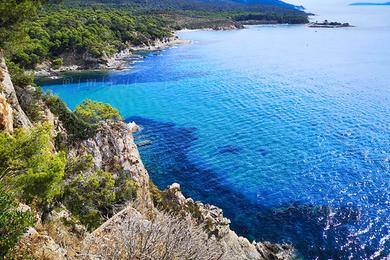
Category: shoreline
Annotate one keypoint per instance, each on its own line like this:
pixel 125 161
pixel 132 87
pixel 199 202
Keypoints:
pixel 121 60
pixel 118 61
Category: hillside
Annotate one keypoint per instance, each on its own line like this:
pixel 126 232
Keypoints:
pixel 197 4
pixel 89 34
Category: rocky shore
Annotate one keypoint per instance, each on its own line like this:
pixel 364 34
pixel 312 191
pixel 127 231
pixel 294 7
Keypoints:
pixel 118 61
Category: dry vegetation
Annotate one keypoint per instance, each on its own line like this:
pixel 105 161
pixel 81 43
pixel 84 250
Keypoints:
pixel 165 237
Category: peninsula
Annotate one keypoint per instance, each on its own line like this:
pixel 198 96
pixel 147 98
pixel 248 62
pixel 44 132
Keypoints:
pixel 327 24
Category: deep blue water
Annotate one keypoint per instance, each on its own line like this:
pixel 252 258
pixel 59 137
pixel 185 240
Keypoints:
pixel 287 128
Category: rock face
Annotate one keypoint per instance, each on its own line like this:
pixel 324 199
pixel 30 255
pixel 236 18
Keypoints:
pixel 113 150
pixel 42 246
pixel 11 114
pixel 233 246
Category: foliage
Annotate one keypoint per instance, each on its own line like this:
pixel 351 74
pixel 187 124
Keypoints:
pixel 12 15
pixel 68 34
pixel 83 31
pixel 92 195
pixel 158 197
pixel 79 165
pixel 93 112
pixel 18 75
pixel 28 164
pixel 13 222
pixel 271 17
pixel 30 101
pixel 57 63
pixel 90 198
pixel 126 189
pixel 76 128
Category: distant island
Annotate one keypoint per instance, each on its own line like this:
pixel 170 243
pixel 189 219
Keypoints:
pixel 387 3
pixel 327 24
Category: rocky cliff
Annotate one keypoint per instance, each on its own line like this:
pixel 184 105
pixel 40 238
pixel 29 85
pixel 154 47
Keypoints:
pixel 11 114
pixel 113 150
pixel 187 228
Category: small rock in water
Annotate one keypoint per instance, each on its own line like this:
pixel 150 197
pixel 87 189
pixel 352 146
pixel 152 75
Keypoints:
pixel 144 143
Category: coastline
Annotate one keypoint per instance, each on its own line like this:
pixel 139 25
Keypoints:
pixel 118 61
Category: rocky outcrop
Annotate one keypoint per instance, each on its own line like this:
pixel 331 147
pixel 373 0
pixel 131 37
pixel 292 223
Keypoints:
pixel 41 246
pixel 113 150
pixel 233 246
pixel 11 114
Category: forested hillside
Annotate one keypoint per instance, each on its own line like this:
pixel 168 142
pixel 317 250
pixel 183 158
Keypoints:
pixel 71 32
pixel 96 32
pixel 199 5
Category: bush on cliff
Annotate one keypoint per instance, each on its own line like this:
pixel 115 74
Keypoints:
pixel 93 112
pixel 89 198
pixel 92 197
pixel 29 166
pixel 13 222
pixel 76 128
pixel 18 76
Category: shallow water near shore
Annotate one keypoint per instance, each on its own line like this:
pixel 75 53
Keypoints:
pixel 286 128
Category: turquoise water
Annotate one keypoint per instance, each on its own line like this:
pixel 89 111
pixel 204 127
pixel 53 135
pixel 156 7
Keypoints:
pixel 284 127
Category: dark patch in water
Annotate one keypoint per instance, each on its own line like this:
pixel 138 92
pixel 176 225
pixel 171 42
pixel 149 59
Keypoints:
pixel 316 231
pixel 229 149
pixel 263 151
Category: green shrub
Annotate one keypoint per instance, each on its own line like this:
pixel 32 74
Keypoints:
pixel 57 63
pixel 126 189
pixel 76 128
pixel 28 164
pixel 93 112
pixel 19 76
pixel 13 222
pixel 79 165
pixel 90 198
